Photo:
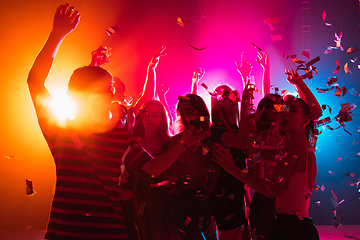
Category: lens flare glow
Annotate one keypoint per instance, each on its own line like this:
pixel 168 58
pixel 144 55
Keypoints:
pixel 63 107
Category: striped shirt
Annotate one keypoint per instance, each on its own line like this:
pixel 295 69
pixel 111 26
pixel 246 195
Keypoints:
pixel 86 203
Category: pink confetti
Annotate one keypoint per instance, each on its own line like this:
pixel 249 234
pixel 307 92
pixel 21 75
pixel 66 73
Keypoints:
pixel 322 188
pixel 337 67
pixel 323 16
pixel 339 159
pixel 276 37
pixel 331 172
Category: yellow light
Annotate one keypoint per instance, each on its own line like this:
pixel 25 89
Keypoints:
pixel 62 106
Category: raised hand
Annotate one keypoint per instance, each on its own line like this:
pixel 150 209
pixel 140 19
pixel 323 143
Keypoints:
pixel 164 88
pixel 293 76
pixel 100 56
pixel 245 67
pixel 262 59
pixel 198 74
pixel 155 59
pixel 66 19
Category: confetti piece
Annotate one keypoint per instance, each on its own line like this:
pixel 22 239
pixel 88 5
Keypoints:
pixel 339 159
pixel 180 21
pixel 323 107
pixel 328 24
pixel 337 67
pixel 337 91
pixel 322 188
pixel 199 49
pixel 335 197
pixel 273 20
pixel 355 143
pixel 354 60
pixel 270 21
pixel 346 69
pixel 306 54
pixel 352 174
pixel 353 49
pixel 298 61
pixel 332 80
pixel 323 16
pixel 112 30
pixel 338 41
pixel 256 46
pixel 187 221
pixel 276 37
pixel 317 202
pixel 322 122
pixel 10 157
pixel 316 187
pixel 332 173
pixel 354 92
pixel 29 188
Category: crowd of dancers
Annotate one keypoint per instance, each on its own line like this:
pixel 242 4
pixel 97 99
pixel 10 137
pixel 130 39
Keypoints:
pixel 136 173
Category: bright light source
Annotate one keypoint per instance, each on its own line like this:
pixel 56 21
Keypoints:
pixel 63 106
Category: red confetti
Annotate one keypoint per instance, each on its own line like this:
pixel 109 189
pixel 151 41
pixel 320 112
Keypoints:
pixel 306 54
pixel 337 67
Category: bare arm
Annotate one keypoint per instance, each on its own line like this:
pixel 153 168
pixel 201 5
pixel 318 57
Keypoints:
pixel 244 68
pixel 162 162
pixel 263 60
pixel 149 89
pixel 304 93
pixel 198 75
pixel 163 90
pixel 65 20
pixel 295 149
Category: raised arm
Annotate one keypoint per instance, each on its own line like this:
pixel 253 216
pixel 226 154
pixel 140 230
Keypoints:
pixel 101 56
pixel 263 60
pixel 244 68
pixel 161 93
pixel 304 93
pixel 198 75
pixel 149 89
pixel 65 20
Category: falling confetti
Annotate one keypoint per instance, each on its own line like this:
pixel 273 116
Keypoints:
pixel 199 49
pixel 339 159
pixel 306 54
pixel 322 188
pixel 10 157
pixel 353 49
pixel 112 30
pixel 337 67
pixel 29 188
pixel 354 92
pixel 180 21
pixel 332 80
pixel 331 172
pixel 354 60
pixel 346 68
pixel 323 16
pixel 276 37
